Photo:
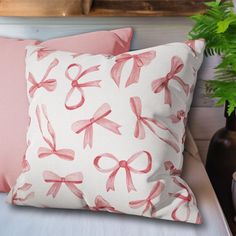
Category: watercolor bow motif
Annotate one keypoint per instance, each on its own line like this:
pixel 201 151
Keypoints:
pixel 139 61
pixel 163 83
pixel 65 154
pixel 193 45
pixel 169 166
pixel 147 203
pixel 25 165
pixel 79 87
pixel 47 84
pixel 142 121
pixel 102 205
pixel 70 181
pixel 178 117
pixel 123 164
pixel 43 52
pixel 99 118
pixel 185 201
pixel 16 199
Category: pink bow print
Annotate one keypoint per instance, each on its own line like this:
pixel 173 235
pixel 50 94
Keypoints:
pixel 139 60
pixel 192 44
pixel 185 200
pixel 169 166
pixel 102 205
pixel 155 192
pixel 48 84
pixel 25 165
pixel 43 52
pixel 163 83
pixel 98 118
pixel 76 86
pixel 70 181
pixel 136 106
pixel 126 165
pixel 65 154
pixel 178 117
pixel 23 188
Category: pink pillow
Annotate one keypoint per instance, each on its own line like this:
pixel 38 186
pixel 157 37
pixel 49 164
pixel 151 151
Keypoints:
pixel 13 101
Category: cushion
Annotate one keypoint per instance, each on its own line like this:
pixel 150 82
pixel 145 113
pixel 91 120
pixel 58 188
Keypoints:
pixel 13 101
pixel 107 133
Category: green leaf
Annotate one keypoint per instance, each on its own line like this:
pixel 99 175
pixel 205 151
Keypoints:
pixel 218 27
pixel 223 26
pixel 197 17
pixel 230 110
pixel 213 4
pixel 231 107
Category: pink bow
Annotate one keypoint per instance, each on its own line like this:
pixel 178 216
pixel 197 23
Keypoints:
pixel 43 52
pixel 155 192
pixel 191 44
pixel 22 199
pixel 75 85
pixel 169 166
pixel 48 84
pixel 102 205
pixel 99 119
pixel 23 188
pixel 139 60
pixel 177 118
pixel 25 165
pixel 70 181
pixel 163 83
pixel 122 164
pixel 185 200
pixel 66 154
pixel 136 106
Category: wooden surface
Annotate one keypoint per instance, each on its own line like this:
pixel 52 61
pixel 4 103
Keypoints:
pixel 147 8
pixel 41 7
pixel 101 7
pixel 204 119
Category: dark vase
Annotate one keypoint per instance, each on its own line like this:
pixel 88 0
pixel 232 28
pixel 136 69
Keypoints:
pixel 221 164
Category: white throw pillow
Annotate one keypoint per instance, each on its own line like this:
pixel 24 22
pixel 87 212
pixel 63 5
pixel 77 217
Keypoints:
pixel 107 133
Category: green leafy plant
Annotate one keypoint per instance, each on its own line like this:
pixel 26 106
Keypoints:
pixel 218 27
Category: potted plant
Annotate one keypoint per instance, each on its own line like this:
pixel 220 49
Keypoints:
pixel 218 27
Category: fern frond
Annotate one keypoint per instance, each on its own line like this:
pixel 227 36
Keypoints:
pixel 218 27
